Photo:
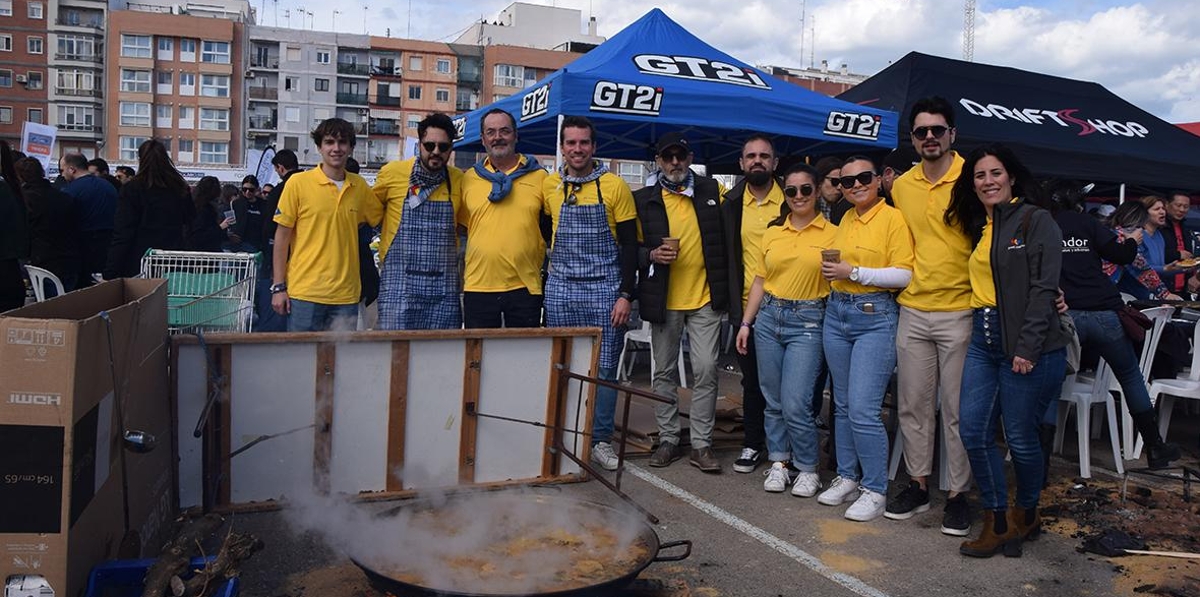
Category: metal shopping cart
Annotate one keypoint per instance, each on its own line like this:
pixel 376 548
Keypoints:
pixel 211 292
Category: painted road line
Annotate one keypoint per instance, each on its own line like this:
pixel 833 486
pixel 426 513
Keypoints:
pixel 815 564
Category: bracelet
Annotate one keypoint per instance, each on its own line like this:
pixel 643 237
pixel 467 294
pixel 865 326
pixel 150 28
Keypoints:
pixel 746 324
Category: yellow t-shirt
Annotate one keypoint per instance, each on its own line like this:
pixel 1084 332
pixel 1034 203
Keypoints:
pixel 504 242
pixel 618 199
pixel 790 259
pixel 323 266
pixel 687 286
pixel 939 281
pixel 983 286
pixel 391 191
pixel 878 238
pixel 755 217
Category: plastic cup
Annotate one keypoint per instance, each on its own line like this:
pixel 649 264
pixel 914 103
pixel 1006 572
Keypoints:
pixel 831 255
pixel 671 243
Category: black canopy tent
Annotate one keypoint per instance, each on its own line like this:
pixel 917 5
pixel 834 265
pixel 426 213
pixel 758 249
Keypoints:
pixel 1059 127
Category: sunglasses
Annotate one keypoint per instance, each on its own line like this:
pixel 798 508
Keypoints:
pixel 672 156
pixel 575 188
pixel 249 190
pixel 441 147
pixel 938 131
pixel 847 182
pixel 803 190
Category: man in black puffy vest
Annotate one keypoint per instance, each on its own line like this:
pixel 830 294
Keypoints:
pixel 684 285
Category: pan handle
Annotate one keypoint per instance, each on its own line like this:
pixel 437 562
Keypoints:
pixel 658 557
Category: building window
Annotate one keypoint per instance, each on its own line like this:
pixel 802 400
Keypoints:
pixel 6 8
pixel 5 115
pixel 443 66
pixel 5 78
pixel 34 45
pixel 135 114
pixel 214 85
pixel 293 54
pixel 322 56
pixel 508 75
pixel 412 121
pixel 187 117
pixel 187 150
pixel 75 82
pixel 416 62
pixel 137 81
pixel 76 47
pixel 414 92
pixel 36 10
pixel 187 50
pixel 291 114
pixel 187 83
pixel 37 116
pixel 34 80
pixel 291 83
pixel 215 52
pixel 214 153
pixel 76 118
pixel 320 84
pixel 135 46
pixel 163 116
pixel 129 147
pixel 166 48
pixel 499 96
pixel 212 119
pixel 632 173
pixel 165 84
pixel 6 43
pixel 442 96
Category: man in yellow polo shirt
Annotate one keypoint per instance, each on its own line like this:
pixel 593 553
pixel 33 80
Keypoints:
pixel 421 197
pixel 935 320
pixel 315 279
pixel 684 284
pixel 502 211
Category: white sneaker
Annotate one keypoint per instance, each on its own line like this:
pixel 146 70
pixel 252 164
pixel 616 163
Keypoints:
pixel 840 491
pixel 777 478
pixel 806 485
pixel 603 455
pixel 868 506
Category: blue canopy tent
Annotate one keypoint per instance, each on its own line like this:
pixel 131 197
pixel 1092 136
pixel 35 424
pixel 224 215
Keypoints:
pixel 654 77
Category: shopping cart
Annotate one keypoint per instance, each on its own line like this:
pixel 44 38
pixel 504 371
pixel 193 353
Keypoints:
pixel 210 292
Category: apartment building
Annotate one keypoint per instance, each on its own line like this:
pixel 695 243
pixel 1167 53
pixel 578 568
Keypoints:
pixel 534 26
pixel 821 80
pixel 75 53
pixel 510 69
pixel 410 79
pixel 22 66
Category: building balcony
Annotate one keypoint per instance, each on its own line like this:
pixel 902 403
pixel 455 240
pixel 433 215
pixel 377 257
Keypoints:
pixel 91 129
pixel 352 68
pixel 74 92
pixel 92 23
pixel 97 58
pixel 465 106
pixel 356 99
pixel 386 100
pixel 264 93
pixel 387 70
pixel 384 127
pixel 270 63
pixel 470 78
pixel 266 123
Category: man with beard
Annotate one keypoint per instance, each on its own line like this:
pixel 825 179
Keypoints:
pixel 593 262
pixel 506 234
pixel 935 320
pixel 96 205
pixel 684 283
pixel 421 198
pixel 830 201
pixel 747 210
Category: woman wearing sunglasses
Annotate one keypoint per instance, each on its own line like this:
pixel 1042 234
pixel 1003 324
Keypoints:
pixel 788 298
pixel 1017 357
pixel 876 260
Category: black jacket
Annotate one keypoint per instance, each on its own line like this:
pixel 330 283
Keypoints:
pixel 14 231
pixel 53 229
pixel 205 233
pixel 731 214
pixel 1171 252
pixel 1026 262
pixel 652 213
pixel 147 218
pixel 267 206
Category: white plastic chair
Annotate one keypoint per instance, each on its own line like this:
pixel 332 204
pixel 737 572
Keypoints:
pixel 642 335
pixel 1083 395
pixel 1159 316
pixel 37 279
pixel 1184 386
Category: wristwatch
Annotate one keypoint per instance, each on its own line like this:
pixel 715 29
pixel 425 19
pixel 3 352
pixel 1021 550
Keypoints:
pixel 278 288
pixel 854 274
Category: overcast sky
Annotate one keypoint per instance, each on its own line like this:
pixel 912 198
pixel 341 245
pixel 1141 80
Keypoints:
pixel 1147 52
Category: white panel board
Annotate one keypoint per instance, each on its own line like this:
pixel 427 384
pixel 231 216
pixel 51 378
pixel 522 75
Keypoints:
pixel 190 394
pixel 361 384
pixel 514 382
pixel 577 408
pixel 272 390
pixel 433 425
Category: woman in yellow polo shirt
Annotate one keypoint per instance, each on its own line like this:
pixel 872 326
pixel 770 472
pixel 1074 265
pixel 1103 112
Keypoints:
pixel 786 307
pixel 875 261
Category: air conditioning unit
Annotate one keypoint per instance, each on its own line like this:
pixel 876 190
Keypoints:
pixel 249 74
pixel 22 79
pixel 398 71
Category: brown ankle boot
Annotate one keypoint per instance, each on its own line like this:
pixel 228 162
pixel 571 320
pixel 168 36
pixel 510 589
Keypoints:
pixel 990 542
pixel 1027 532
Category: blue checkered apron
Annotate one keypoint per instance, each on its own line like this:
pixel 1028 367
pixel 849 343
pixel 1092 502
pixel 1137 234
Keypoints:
pixel 420 284
pixel 585 279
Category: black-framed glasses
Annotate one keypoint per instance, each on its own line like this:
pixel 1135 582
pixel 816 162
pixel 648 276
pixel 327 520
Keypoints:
pixel 572 199
pixel 440 146
pixel 673 156
pixel 938 131
pixel 803 190
pixel 864 178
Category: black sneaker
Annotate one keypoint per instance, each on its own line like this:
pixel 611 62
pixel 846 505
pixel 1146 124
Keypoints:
pixel 748 460
pixel 956 517
pixel 908 503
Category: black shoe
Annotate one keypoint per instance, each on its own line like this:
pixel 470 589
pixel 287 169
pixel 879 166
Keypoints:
pixel 1159 454
pixel 956 517
pixel 913 500
pixel 705 460
pixel 748 461
pixel 666 453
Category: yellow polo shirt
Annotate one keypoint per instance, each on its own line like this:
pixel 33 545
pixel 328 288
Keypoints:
pixel 755 217
pixel 940 281
pixel 391 191
pixel 790 259
pixel 618 199
pixel 504 243
pixel 878 238
pixel 687 286
pixel 323 266
pixel 983 286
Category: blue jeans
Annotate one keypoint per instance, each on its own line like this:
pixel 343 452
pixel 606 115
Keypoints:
pixel 1102 331
pixel 991 392
pixel 606 408
pixel 860 348
pixel 315 317
pixel 788 337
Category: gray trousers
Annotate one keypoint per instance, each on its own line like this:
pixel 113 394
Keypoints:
pixel 704 330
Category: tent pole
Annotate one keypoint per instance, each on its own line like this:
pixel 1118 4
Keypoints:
pixel 1121 195
pixel 558 156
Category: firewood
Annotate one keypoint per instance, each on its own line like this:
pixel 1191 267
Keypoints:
pixel 178 553
pixel 234 550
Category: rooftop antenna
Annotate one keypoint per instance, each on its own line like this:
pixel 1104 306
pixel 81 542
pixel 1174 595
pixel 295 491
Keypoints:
pixel 812 47
pixel 968 49
pixel 803 12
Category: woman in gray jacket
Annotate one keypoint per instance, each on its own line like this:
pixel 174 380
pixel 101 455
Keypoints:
pixel 1017 357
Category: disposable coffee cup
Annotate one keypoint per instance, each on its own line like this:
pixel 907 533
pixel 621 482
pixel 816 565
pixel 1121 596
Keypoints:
pixel 671 243
pixel 231 215
pixel 831 255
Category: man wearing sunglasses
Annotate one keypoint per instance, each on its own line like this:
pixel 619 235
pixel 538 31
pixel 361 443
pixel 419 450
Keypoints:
pixel 748 208
pixel 935 320
pixel 246 233
pixel 684 284
pixel 593 262
pixel 420 198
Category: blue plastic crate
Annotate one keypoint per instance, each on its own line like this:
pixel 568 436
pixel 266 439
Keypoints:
pixel 123 578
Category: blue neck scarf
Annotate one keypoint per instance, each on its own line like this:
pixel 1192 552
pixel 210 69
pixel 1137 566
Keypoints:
pixel 501 181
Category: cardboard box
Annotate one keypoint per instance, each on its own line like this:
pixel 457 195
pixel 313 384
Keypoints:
pixel 62 458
